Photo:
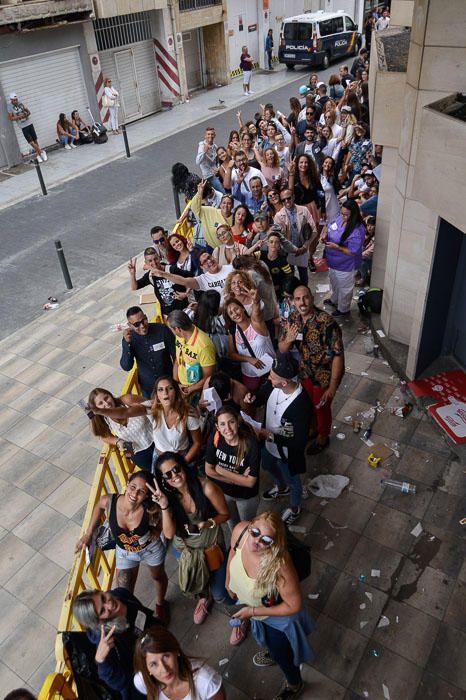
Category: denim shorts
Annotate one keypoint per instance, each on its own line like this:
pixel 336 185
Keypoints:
pixel 152 555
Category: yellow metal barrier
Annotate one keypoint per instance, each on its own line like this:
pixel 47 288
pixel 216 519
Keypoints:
pixel 60 685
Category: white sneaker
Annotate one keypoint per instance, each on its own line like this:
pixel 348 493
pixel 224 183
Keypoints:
pixel 44 155
pixel 245 94
pixel 251 92
pixel 289 516
pixel 73 146
pixel 39 159
pixel 67 146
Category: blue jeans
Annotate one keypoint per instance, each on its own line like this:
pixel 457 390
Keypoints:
pixel 280 651
pixel 216 183
pixel 281 473
pixel 217 580
pixel 66 139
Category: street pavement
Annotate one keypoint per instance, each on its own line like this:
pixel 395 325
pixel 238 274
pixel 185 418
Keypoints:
pixel 104 213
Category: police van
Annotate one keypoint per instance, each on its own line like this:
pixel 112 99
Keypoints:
pixel 315 39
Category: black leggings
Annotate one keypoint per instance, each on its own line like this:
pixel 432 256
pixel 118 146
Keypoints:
pixel 281 652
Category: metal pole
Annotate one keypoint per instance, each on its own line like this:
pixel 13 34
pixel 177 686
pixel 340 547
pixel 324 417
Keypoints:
pixel 125 139
pixel 63 265
pixel 176 199
pixel 41 179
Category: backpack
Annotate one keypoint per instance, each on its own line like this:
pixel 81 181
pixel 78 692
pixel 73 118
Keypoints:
pixel 81 653
pixel 370 301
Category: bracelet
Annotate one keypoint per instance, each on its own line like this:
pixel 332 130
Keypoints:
pixel 164 508
pixel 211 520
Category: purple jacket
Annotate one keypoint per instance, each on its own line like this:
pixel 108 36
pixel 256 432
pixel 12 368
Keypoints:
pixel 337 260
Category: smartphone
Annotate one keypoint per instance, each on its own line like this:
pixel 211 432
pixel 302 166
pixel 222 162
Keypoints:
pixel 85 407
pixel 192 529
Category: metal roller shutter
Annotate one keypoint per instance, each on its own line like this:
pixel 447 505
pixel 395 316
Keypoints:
pixel 48 83
pixel 132 70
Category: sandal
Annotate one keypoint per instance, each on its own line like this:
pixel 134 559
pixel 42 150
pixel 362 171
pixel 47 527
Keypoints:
pixel 239 634
pixel 202 610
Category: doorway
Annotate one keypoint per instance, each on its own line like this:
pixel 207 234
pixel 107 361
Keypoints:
pixel 193 59
pixel 128 82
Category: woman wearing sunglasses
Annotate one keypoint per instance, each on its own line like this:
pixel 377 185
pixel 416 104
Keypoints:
pixel 193 509
pixel 261 575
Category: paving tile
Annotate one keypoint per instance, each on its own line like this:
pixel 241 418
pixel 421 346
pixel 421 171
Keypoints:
pixel 74 391
pixel 452 480
pixel 368 555
pixel 411 633
pixel 24 652
pixel 50 606
pixel 364 480
pixel 25 430
pixel 448 657
pixel 95 349
pixel 329 545
pixel 338 650
pixel 446 511
pixel 391 528
pixel 432 687
pixel 86 471
pixel 50 411
pixel 8 418
pixel 43 480
pixel 331 461
pixel 349 510
pixel 389 426
pixel 319 686
pixel 450 550
pixel 12 392
pixel 321 582
pixel 346 599
pixel 426 589
pixel 52 382
pixel 46 448
pixel 356 363
pixel 14 553
pixel 71 421
pixel 9 680
pixel 74 455
pixel 421 465
pixel 30 588
pixel 413 505
pixel 37 678
pixel 400 676
pixel 16 507
pixel 253 681
pixel 348 385
pixel 8 453
pixel 352 408
pixel 21 467
pixel 427 436
pixel 61 548
pixel 32 373
pixel 13 611
pixel 456 612
pixel 16 366
pixel 97 374
pixel 370 391
pixel 40 526
pixel 29 400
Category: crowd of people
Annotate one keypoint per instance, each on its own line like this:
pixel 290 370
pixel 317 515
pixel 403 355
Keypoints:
pixel 237 382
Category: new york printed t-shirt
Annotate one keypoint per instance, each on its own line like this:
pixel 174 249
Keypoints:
pixel 224 455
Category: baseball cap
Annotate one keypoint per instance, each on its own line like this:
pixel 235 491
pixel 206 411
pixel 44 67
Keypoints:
pixel 13 96
pixel 319 84
pixel 368 172
pixel 304 89
pixel 285 365
pixel 345 108
pixel 261 216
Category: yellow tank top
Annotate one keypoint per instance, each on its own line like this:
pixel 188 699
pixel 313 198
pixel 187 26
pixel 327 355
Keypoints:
pixel 245 587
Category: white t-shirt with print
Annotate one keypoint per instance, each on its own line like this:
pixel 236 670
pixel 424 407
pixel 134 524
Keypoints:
pixel 207 683
pixel 209 280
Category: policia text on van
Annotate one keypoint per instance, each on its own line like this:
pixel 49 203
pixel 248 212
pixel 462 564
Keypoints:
pixel 316 38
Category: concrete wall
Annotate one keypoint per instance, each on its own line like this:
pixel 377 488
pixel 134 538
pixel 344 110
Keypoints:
pixel 19 45
pixel 401 13
pixel 200 18
pixel 216 53
pixel 436 66
pixel 112 8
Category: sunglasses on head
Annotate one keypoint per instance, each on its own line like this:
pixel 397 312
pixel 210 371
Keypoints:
pixel 171 472
pixel 137 324
pixel 266 540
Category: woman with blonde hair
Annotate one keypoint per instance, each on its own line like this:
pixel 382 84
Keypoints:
pixel 262 576
pixel 164 671
pixel 269 162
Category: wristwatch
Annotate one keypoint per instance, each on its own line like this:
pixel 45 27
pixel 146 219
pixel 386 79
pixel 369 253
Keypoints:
pixel 211 520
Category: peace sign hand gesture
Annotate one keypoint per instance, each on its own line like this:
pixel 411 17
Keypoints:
pixel 107 642
pixel 158 497
pixel 132 266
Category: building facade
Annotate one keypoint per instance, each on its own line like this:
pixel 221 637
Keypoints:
pixel 418 114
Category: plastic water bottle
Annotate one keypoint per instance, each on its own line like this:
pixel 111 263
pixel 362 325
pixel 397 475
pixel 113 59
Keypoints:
pixel 402 486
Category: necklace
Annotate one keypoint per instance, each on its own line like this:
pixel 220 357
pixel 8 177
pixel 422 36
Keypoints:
pixel 279 403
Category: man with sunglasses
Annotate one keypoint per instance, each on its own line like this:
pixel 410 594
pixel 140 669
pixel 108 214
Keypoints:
pixel 213 276
pixel 309 121
pixel 298 226
pixel 159 237
pixel 288 416
pixel 151 345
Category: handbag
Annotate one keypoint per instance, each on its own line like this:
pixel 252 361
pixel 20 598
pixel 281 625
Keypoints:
pixel 214 557
pixel 106 101
pixel 105 538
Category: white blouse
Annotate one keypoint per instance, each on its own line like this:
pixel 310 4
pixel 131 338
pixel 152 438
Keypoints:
pixel 138 431
pixel 206 681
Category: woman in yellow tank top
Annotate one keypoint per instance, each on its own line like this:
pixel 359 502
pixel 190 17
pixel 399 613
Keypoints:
pixel 262 577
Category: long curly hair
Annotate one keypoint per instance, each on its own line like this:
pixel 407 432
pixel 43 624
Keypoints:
pixel 273 557
pixel 246 279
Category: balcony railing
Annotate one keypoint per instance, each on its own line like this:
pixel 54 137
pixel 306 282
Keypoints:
pixel 197 4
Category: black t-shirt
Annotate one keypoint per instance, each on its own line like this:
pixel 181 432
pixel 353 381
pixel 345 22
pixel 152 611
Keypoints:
pixel 224 455
pixel 279 270
pixel 164 291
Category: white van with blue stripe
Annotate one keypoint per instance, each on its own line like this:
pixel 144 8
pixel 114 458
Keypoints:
pixel 315 39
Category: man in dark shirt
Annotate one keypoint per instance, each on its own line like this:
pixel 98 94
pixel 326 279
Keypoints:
pixel 165 291
pixel 152 345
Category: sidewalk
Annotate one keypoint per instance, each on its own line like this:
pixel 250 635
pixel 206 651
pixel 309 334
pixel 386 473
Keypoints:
pixel 65 165
pixel 48 459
